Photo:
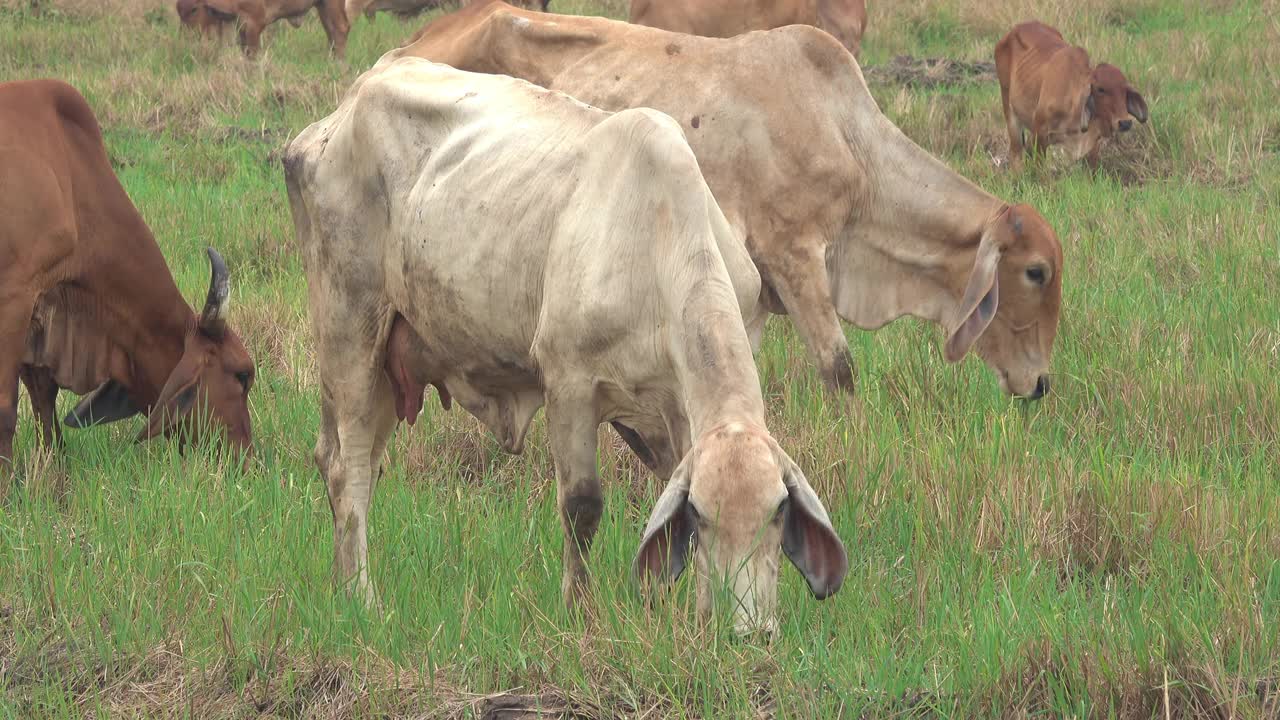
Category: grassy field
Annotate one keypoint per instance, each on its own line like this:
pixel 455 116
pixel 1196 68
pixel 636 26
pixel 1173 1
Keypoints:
pixel 1113 550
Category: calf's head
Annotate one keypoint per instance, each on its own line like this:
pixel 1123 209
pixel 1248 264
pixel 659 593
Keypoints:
pixel 209 386
pixel 734 501
pixel 1009 309
pixel 1113 101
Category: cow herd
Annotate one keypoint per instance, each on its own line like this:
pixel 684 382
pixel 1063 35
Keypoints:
pixel 523 210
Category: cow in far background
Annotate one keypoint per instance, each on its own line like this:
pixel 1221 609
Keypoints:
pixel 846 20
pixel 1049 88
pixel 212 16
pixel 412 7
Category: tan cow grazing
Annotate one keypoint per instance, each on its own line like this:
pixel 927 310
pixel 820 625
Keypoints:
pixel 86 300
pixel 844 19
pixel 843 215
pixel 1049 89
pixel 209 16
pixel 614 293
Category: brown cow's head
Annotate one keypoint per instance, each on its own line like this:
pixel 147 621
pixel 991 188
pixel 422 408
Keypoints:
pixel 1009 311
pixel 214 373
pixel 1113 101
pixel 737 498
pixel 200 16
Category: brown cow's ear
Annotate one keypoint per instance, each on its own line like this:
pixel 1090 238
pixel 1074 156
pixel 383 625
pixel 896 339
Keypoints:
pixel 177 400
pixel 1137 106
pixel 108 403
pixel 808 539
pixel 664 546
pixel 981 296
pixel 1086 115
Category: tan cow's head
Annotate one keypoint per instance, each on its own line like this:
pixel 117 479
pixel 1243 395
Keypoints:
pixel 1009 310
pixel 1113 101
pixel 214 373
pixel 737 498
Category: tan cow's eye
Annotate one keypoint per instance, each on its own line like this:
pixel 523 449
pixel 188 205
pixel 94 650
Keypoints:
pixel 1035 274
pixel 245 378
pixel 782 508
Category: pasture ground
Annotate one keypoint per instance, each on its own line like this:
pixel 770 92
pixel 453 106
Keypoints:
pixel 1113 551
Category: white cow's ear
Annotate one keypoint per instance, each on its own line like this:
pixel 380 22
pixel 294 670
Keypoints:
pixel 808 539
pixel 664 547
pixel 981 295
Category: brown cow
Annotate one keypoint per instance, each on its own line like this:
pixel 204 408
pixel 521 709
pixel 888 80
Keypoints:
pixel 209 16
pixel 843 215
pixel 1048 87
pixel 86 300
pixel 844 19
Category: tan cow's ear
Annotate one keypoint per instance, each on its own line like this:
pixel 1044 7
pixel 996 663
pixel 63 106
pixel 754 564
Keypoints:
pixel 664 546
pixel 808 539
pixel 981 297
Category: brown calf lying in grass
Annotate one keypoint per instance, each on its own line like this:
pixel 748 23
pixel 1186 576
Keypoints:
pixel 1049 88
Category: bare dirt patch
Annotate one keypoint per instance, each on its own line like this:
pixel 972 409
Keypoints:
pixel 930 72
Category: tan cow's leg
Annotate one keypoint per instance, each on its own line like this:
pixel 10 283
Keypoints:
pixel 571 425
pixel 42 390
pixel 799 277
pixel 1015 130
pixel 334 19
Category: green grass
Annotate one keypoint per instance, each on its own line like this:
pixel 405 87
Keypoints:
pixel 1111 551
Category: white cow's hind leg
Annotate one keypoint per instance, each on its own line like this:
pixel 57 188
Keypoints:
pixel 364 424
pixel 571 424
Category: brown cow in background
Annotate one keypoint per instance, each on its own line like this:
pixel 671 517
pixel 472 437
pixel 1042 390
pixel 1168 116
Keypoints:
pixel 1049 88
pixel 212 16
pixel 846 20
pixel 87 302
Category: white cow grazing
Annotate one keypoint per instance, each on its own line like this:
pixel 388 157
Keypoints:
pixel 513 247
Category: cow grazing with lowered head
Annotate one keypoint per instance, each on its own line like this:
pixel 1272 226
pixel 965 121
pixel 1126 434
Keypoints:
pixel 843 215
pixel 616 294
pixel 209 16
pixel 1048 88
pixel 86 300
pixel 846 20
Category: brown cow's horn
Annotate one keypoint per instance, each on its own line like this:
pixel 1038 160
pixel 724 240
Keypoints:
pixel 213 318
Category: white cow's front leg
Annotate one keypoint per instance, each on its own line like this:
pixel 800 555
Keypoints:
pixel 571 424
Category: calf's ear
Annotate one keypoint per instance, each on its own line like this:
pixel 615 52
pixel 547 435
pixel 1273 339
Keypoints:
pixel 1136 105
pixel 1086 115
pixel 664 546
pixel 808 539
pixel 107 403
